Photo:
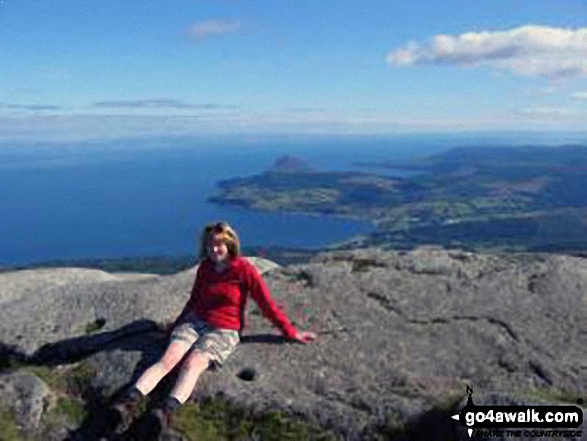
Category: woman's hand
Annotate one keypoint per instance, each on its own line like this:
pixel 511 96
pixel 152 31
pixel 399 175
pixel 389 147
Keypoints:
pixel 305 337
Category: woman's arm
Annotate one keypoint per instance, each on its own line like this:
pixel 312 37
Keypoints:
pixel 192 301
pixel 260 294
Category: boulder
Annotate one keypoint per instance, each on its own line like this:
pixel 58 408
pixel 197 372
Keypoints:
pixel 26 397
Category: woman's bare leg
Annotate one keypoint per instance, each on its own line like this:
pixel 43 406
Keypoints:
pixel 196 363
pixel 152 376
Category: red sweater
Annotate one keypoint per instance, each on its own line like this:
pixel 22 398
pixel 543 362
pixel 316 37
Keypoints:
pixel 220 298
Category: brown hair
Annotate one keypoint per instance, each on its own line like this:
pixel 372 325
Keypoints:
pixel 229 235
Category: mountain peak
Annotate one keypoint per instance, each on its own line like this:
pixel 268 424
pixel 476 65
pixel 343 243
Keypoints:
pixel 288 164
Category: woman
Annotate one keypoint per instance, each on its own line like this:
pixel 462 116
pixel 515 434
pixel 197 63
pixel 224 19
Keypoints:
pixel 209 327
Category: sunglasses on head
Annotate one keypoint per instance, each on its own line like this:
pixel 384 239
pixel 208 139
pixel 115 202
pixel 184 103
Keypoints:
pixel 218 228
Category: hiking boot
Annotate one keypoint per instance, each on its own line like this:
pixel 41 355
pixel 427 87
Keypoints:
pixel 125 413
pixel 121 413
pixel 152 424
pixel 106 423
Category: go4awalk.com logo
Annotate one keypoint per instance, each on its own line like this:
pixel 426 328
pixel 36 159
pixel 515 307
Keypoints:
pixel 520 421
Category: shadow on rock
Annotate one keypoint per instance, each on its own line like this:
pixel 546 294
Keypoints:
pixel 10 356
pixel 264 338
pixel 74 349
pixel 434 425
pixel 145 336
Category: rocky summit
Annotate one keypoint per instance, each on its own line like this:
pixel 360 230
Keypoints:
pixel 400 337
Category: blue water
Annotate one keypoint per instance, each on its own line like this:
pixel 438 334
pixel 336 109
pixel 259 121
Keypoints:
pixel 137 198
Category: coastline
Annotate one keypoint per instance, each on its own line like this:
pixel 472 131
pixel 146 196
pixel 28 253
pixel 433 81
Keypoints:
pixel 353 217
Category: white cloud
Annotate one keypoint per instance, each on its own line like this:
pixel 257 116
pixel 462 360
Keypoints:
pixel 579 95
pixel 12 106
pixel 531 50
pixel 214 27
pixel 550 111
pixel 158 103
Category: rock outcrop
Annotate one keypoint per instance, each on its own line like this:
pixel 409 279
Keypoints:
pixel 28 397
pixel 400 335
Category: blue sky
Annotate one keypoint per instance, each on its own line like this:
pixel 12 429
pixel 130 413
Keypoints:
pixel 76 69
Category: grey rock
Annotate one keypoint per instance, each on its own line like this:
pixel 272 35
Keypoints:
pixel 400 334
pixel 27 397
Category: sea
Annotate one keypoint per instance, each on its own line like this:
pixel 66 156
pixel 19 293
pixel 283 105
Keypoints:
pixel 138 197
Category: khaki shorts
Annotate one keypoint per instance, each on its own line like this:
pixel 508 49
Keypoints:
pixel 217 342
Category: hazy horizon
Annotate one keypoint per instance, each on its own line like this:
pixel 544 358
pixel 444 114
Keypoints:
pixel 454 139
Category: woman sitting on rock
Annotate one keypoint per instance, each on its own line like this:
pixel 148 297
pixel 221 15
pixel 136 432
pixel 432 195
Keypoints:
pixel 208 327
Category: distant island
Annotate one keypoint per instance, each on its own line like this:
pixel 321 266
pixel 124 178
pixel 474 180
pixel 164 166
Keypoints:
pixel 293 164
pixel 530 198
